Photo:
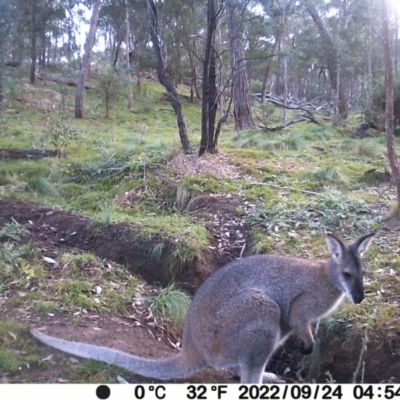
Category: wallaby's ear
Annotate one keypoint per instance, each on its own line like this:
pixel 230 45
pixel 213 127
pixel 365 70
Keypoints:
pixel 361 245
pixel 335 246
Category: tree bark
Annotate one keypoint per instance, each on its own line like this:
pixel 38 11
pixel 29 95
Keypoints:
pixel 160 66
pixel 393 160
pixel 86 60
pixel 242 109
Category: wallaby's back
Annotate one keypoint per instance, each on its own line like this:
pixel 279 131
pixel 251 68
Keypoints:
pixel 244 310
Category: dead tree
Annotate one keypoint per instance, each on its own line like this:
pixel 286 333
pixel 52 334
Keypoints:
pixel 160 67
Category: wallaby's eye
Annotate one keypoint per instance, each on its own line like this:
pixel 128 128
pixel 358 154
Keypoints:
pixel 346 275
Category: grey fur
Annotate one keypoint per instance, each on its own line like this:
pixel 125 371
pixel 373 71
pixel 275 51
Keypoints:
pixel 243 311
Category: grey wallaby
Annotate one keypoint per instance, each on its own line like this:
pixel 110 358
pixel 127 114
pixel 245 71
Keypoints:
pixel 245 310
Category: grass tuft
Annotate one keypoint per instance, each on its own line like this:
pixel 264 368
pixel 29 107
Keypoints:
pixel 40 185
pixel 169 308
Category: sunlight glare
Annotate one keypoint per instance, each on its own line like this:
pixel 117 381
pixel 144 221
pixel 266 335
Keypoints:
pixel 394 6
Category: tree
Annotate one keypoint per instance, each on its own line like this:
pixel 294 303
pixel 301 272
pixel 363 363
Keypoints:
pixel 331 55
pixel 210 131
pixel 241 92
pixel 80 87
pixel 5 23
pixel 209 139
pixel 110 87
pixel 128 63
pixel 160 67
pixel 393 160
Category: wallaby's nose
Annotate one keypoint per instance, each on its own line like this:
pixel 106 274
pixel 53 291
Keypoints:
pixel 358 298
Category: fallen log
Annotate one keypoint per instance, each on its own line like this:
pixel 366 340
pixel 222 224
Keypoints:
pixel 62 80
pixel 283 126
pixel 13 64
pixel 305 113
pixel 33 154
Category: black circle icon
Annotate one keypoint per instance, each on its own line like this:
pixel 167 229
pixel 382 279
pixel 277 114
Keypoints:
pixel 103 392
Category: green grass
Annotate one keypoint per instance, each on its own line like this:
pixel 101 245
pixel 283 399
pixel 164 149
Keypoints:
pixel 327 211
pixel 90 371
pixel 169 308
pixel 326 175
pixel 270 142
pixel 14 352
pixel 40 185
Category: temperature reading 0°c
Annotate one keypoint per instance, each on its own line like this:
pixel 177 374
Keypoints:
pixel 140 391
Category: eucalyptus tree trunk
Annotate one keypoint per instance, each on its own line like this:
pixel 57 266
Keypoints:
pixel 284 62
pixel 33 48
pixel 331 56
pixel 242 110
pixel 393 160
pixel 269 68
pixel 208 143
pixel 128 63
pixel 221 102
pixel 369 83
pixel 396 42
pixel 285 90
pixel 5 23
pixel 338 115
pixel 80 87
pixel 160 67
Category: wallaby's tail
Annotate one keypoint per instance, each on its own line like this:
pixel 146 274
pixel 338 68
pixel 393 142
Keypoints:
pixel 174 367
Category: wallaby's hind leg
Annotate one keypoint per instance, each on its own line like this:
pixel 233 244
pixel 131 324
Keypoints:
pixel 260 347
pixel 247 332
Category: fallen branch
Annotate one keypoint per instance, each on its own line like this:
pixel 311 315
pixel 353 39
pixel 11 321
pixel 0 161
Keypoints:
pixel 62 80
pixel 33 154
pixel 164 179
pixel 280 127
pixel 291 105
pixel 307 113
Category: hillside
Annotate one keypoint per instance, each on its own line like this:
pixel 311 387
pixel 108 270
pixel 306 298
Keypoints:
pixel 85 236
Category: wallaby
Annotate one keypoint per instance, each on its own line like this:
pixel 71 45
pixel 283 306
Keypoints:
pixel 245 310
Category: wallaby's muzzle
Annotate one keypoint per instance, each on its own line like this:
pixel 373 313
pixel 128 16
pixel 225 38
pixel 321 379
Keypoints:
pixel 357 291
pixel 358 298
